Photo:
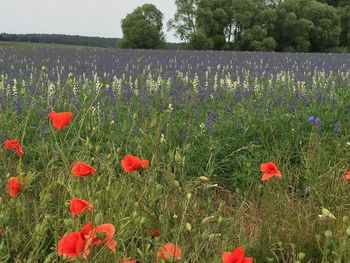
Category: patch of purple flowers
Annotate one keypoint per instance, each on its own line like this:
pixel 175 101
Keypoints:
pixel 312 119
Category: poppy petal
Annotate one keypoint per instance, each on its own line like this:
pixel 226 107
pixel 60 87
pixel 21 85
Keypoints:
pixel 60 119
pixel 77 206
pixel 82 169
pixel 14 186
pixel 248 260
pixel 71 245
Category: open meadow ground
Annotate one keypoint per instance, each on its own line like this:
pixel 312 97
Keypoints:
pixel 236 149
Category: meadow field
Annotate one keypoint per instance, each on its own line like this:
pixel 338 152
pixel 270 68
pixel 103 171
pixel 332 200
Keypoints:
pixel 207 126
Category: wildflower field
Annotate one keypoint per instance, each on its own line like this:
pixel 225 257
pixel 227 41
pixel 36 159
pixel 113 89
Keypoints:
pixel 173 156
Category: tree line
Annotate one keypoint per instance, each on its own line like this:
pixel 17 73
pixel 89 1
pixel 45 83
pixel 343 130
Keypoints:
pixel 252 25
pixel 60 39
pixel 69 40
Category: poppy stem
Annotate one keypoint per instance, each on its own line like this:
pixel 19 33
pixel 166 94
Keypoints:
pixel 30 108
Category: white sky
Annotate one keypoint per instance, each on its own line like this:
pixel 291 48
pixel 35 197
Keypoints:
pixel 75 17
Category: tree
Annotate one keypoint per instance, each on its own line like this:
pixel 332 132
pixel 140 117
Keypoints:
pixel 256 39
pixel 143 28
pixel 213 18
pixel 200 41
pixel 326 31
pixel 264 25
pixel 345 25
pixel 185 19
pixel 306 25
pixel 336 3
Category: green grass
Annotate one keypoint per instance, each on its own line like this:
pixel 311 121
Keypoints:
pixel 274 220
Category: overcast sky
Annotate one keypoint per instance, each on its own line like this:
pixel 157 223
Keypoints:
pixel 74 17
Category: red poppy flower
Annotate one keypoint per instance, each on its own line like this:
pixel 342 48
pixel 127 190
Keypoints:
pixel 269 170
pixel 77 206
pixel 71 245
pixel 60 119
pixel 132 163
pixel 82 169
pixel 154 232
pixel 129 261
pixel 169 252
pixel 14 186
pixel 86 230
pixel 93 238
pixel 237 256
pixel 347 176
pixel 14 144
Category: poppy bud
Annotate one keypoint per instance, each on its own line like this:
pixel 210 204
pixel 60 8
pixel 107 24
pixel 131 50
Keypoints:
pixel 220 220
pixel 178 158
pixel 134 116
pixel 140 252
pixel 348 231
pixel 189 196
pixel 143 220
pixel 207 219
pixel 174 216
pixel 188 227
pixel 43 69
pixel 68 222
pixel 328 234
pixel 70 75
pixel 346 219
pixel 153 123
pixel 325 212
pixel 135 214
pixel 99 218
pixel 301 256
pixel 148 248
pixel 222 205
pixel 203 179
pixel 176 183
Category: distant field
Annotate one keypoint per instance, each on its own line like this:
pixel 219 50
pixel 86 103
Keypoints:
pixel 207 123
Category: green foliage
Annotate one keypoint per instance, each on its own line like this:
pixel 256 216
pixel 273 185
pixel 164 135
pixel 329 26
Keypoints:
pixel 200 41
pixel 143 28
pixel 307 26
pixel 345 24
pixel 326 26
pixel 256 39
pixel 291 25
pixel 184 21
